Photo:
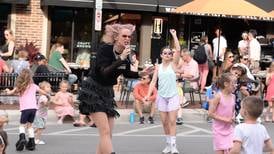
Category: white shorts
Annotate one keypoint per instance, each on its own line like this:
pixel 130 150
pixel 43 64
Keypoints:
pixel 167 104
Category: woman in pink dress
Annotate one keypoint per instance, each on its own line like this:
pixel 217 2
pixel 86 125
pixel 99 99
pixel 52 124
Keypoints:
pixel 64 102
pixel 270 89
pixel 221 109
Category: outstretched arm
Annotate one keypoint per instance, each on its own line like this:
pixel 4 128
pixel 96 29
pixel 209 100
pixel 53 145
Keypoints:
pixel 176 55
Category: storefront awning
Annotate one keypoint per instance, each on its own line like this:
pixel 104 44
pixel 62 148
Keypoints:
pixel 137 5
pixel 15 1
pixel 167 6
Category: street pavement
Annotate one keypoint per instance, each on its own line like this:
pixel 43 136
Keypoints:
pixel 192 138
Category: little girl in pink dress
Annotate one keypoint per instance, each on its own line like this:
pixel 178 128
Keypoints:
pixel 64 102
pixel 270 90
pixel 221 110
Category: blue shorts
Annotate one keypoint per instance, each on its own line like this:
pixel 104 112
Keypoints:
pixel 27 115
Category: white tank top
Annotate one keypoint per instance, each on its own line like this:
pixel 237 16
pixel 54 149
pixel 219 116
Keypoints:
pixel 167 81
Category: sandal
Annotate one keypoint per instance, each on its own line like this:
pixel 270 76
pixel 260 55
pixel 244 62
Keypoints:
pixel 93 125
pixel 77 124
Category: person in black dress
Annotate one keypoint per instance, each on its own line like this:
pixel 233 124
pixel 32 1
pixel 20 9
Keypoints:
pixel 96 94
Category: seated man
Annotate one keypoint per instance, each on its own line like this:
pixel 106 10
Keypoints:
pixel 189 69
pixel 139 93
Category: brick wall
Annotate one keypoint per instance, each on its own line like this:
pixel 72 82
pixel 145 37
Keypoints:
pixel 29 23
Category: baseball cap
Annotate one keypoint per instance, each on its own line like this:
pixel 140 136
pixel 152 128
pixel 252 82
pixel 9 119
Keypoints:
pixel 40 57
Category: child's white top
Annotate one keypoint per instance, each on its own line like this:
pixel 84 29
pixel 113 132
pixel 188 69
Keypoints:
pixel 167 86
pixel 42 108
pixel 252 137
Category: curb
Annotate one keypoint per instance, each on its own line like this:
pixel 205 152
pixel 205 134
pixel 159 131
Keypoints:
pixel 189 115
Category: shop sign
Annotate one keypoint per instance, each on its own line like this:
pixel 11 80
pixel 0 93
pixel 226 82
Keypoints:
pixel 83 45
pixel 158 26
pixel 98 19
pixel 169 9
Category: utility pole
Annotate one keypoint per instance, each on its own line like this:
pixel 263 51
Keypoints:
pixel 96 28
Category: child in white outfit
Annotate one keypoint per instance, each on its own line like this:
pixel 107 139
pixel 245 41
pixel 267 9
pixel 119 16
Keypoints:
pixel 251 137
pixel 42 112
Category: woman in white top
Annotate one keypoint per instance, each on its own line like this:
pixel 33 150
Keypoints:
pixel 168 99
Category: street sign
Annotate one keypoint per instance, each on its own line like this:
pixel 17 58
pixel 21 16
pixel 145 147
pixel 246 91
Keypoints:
pixel 98 20
pixel 99 4
pixel 158 26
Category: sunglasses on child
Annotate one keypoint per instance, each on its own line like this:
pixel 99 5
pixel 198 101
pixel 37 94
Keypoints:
pixel 167 53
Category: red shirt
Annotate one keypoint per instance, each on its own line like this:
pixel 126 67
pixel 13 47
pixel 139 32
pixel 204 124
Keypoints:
pixel 2 64
pixel 141 90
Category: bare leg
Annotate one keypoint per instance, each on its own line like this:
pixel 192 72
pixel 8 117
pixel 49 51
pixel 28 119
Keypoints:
pixel 139 107
pixel 152 109
pixel 111 126
pixel 219 152
pixel 172 122
pixel 38 133
pixel 180 112
pixel 102 123
pixel 165 123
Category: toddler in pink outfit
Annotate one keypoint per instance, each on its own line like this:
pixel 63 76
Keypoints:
pixel 221 110
pixel 64 102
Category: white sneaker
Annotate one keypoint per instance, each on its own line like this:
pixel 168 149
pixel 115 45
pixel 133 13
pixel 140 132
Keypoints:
pixel 174 150
pixel 60 122
pixel 167 149
pixel 39 142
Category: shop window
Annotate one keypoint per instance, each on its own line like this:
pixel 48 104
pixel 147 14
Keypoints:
pixel 4 20
pixel 73 28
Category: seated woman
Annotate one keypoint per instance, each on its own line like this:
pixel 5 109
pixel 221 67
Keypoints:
pixel 228 62
pixel 7 50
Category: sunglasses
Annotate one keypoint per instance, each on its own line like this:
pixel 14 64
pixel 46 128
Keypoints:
pixel 245 59
pixel 144 78
pixel 126 36
pixel 168 53
pixel 230 56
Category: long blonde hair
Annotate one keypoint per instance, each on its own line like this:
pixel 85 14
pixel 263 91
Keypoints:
pixel 23 81
pixel 11 35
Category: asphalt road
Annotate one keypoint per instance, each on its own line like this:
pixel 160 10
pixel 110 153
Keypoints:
pixel 192 138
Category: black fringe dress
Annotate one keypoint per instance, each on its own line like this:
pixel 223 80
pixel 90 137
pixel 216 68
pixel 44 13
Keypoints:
pixel 96 93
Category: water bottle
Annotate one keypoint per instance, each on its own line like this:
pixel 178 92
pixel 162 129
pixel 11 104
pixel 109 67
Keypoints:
pixel 131 117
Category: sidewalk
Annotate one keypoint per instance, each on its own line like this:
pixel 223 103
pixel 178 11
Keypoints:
pixel 192 114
